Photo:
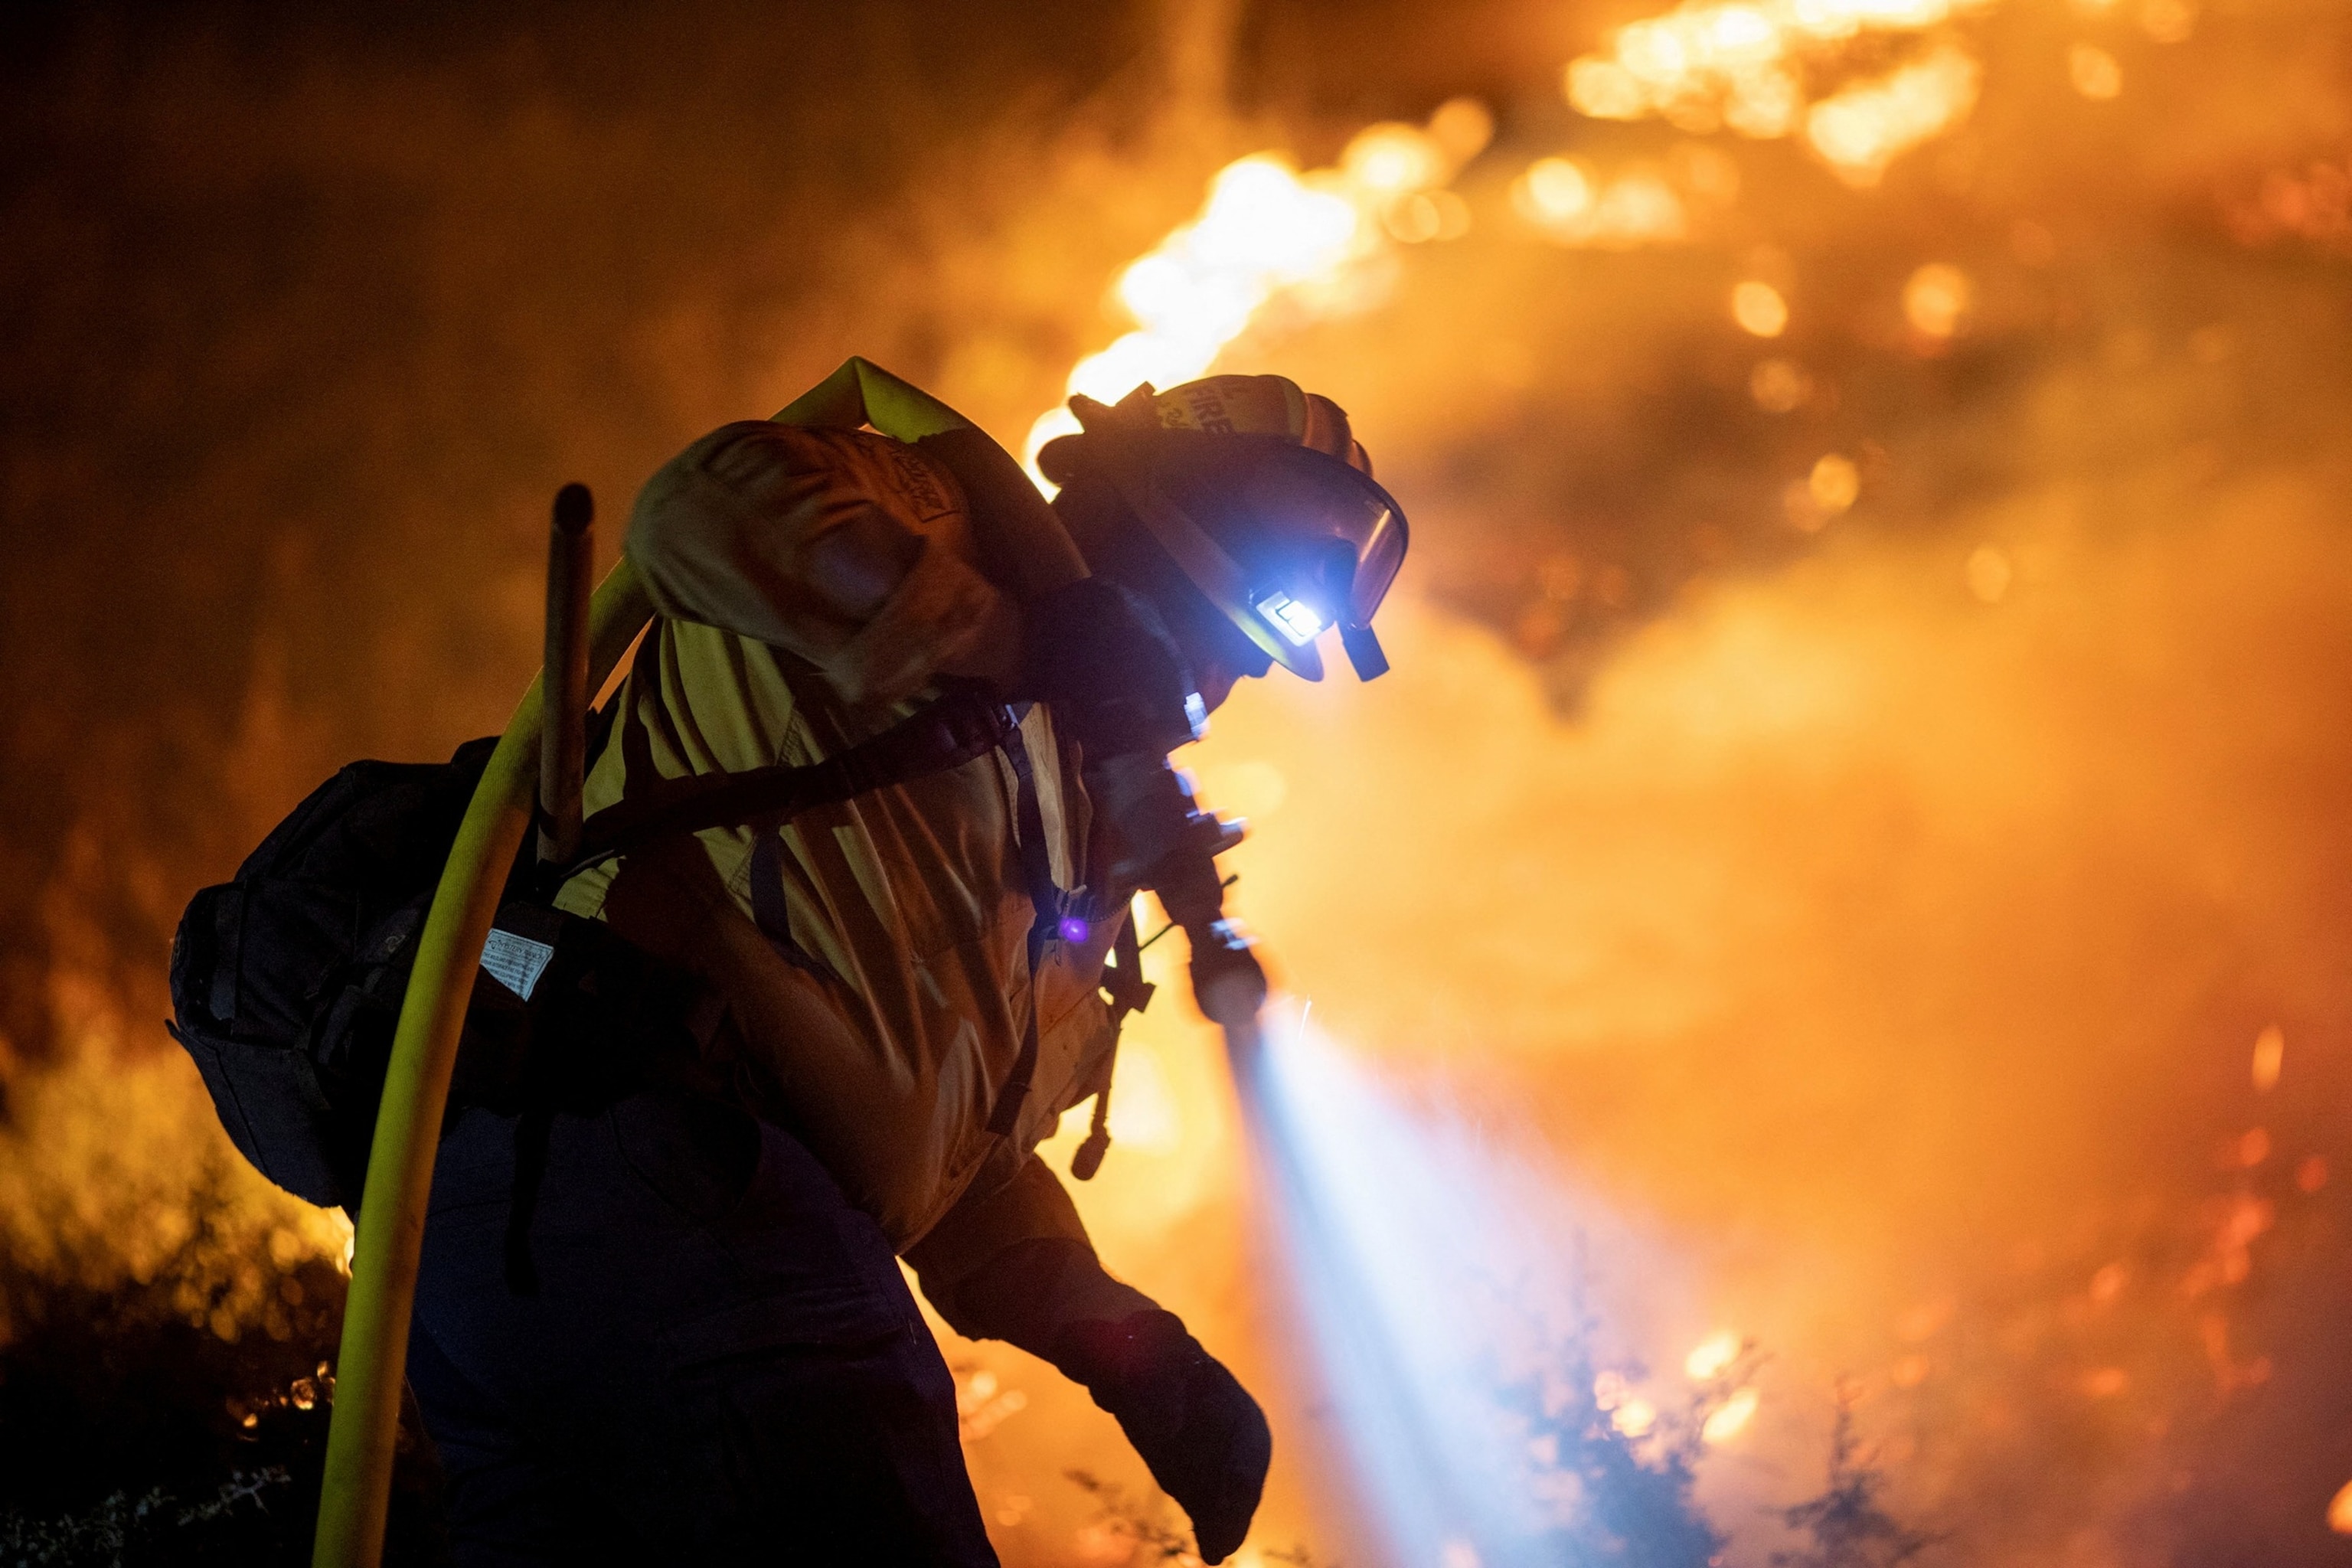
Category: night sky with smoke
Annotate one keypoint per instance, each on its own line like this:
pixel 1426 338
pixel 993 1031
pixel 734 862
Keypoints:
pixel 1860 815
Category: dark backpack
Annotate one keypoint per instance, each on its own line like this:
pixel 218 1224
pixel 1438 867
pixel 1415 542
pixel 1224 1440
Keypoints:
pixel 287 982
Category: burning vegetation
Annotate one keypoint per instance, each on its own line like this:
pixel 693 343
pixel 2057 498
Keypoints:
pixel 1852 857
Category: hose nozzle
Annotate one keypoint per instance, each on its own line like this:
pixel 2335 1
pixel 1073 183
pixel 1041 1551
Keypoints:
pixel 1228 982
pixel 1168 844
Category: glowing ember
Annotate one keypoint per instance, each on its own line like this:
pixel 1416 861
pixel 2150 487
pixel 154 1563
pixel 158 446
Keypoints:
pixel 2270 1056
pixel 1835 483
pixel 1732 1418
pixel 1568 203
pixel 1554 193
pixel 1425 216
pixel 983 1403
pixel 1758 309
pixel 1935 300
pixel 1711 1355
pixel 2312 204
pixel 1634 1417
pixel 1392 160
pixel 1744 64
pixel 2106 1383
pixel 1866 126
pixel 1780 385
pixel 2095 73
pixel 2167 21
pixel 1988 572
pixel 1827 491
pixel 2339 1512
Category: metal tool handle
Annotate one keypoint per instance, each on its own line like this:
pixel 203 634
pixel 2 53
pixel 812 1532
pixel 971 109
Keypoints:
pixel 563 744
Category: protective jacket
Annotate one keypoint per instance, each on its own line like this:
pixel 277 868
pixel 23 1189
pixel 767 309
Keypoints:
pixel 815 585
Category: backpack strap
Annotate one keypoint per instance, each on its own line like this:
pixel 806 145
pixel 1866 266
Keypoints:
pixel 1045 901
pixel 962 726
pixel 1129 993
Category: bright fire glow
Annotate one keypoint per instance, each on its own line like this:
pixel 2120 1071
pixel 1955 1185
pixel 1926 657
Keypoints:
pixel 1568 202
pixel 1758 309
pixel 1867 126
pixel 2270 1056
pixel 1935 300
pixel 1711 1355
pixel 1634 1417
pixel 1835 483
pixel 1731 1418
pixel 2095 73
pixel 1267 232
pixel 1745 64
pixel 1824 494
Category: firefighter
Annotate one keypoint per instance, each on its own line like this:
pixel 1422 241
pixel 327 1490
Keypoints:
pixel 718 1359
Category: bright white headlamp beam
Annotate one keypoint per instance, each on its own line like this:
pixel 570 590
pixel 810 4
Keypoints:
pixel 1294 620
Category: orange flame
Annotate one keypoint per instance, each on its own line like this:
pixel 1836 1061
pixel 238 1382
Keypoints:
pixel 1269 232
pixel 1743 66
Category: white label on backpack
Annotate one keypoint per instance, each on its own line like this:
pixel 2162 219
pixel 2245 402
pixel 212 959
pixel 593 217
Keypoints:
pixel 515 962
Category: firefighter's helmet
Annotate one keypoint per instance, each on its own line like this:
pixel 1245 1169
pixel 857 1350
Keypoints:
pixel 1262 496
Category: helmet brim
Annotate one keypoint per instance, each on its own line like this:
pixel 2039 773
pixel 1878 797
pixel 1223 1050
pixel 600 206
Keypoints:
pixel 1276 510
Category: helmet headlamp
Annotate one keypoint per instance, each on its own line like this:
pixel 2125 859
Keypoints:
pixel 1262 497
pixel 1292 618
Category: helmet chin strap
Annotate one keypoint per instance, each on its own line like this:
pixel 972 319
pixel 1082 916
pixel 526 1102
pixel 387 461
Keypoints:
pixel 1363 648
pixel 1365 655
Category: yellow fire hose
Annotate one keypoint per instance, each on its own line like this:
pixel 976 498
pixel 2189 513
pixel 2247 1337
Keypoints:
pixel 357 1491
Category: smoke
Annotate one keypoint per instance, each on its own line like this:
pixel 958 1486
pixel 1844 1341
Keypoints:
pixel 1852 944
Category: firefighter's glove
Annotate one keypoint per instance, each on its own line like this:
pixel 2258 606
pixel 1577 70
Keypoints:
pixel 1195 1426
pixel 1101 655
pixel 1156 834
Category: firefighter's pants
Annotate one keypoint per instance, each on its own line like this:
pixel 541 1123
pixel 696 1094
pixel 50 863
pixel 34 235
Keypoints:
pixel 721 1362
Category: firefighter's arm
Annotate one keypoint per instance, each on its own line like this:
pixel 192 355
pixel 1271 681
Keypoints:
pixel 1016 1264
